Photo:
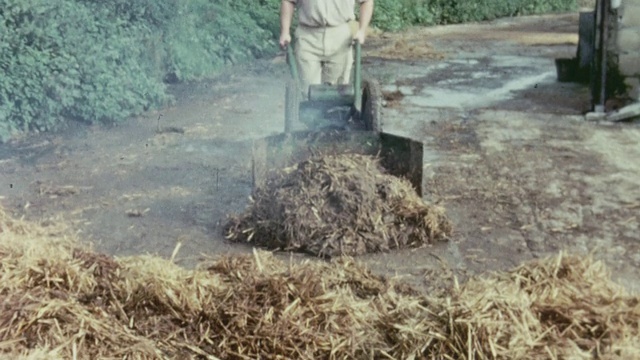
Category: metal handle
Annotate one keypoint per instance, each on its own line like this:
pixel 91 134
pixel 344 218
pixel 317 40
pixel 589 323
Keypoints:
pixel 357 76
pixel 291 59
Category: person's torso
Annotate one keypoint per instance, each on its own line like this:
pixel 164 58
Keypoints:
pixel 319 13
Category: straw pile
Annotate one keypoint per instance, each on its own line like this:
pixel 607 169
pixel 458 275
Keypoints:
pixel 60 301
pixel 338 205
pixel 565 307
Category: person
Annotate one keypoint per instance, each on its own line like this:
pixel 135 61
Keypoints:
pixel 324 37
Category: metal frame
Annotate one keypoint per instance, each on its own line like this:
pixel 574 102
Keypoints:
pixel 329 92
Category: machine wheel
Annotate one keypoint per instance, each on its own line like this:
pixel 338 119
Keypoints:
pixel 371 113
pixel 291 106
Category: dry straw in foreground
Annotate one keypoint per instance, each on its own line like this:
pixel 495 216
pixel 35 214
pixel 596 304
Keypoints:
pixel 62 301
pixel 338 205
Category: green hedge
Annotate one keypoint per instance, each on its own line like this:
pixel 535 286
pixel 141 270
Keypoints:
pixel 105 60
pixel 208 35
pixel 398 14
pixel 62 60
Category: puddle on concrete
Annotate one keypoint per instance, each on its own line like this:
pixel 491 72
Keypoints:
pixel 441 98
pixel 520 62
pixel 459 83
pixel 485 75
pixel 505 91
pixel 464 61
pixel 461 99
pixel 405 90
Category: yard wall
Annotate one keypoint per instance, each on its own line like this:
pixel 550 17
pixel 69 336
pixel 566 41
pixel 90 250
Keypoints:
pixel 625 46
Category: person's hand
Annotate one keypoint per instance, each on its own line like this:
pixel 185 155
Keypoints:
pixel 285 40
pixel 360 36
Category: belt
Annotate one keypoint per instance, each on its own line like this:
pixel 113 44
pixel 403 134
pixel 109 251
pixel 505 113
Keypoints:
pixel 305 26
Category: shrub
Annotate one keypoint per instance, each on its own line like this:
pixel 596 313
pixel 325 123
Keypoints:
pixel 207 36
pixel 265 13
pixel 392 15
pixel 61 60
pixel 149 12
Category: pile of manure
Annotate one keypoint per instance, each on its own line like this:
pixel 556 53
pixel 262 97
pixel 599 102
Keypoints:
pixel 338 205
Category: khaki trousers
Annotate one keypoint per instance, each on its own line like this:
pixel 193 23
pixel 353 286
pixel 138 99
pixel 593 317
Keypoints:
pixel 324 55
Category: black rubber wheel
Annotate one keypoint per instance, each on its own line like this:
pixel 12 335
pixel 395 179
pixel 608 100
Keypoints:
pixel 371 114
pixel 291 106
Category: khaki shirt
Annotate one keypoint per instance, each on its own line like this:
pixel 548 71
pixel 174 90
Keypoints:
pixel 322 13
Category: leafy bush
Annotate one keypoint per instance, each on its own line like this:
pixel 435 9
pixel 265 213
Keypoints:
pixel 480 10
pixel 392 15
pixel 104 60
pixel 206 36
pixel 63 60
pixel 150 12
pixel 265 13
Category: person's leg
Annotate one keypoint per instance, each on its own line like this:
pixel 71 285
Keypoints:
pixel 338 54
pixel 308 51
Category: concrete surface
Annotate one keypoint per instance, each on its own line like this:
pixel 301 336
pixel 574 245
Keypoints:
pixel 509 154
